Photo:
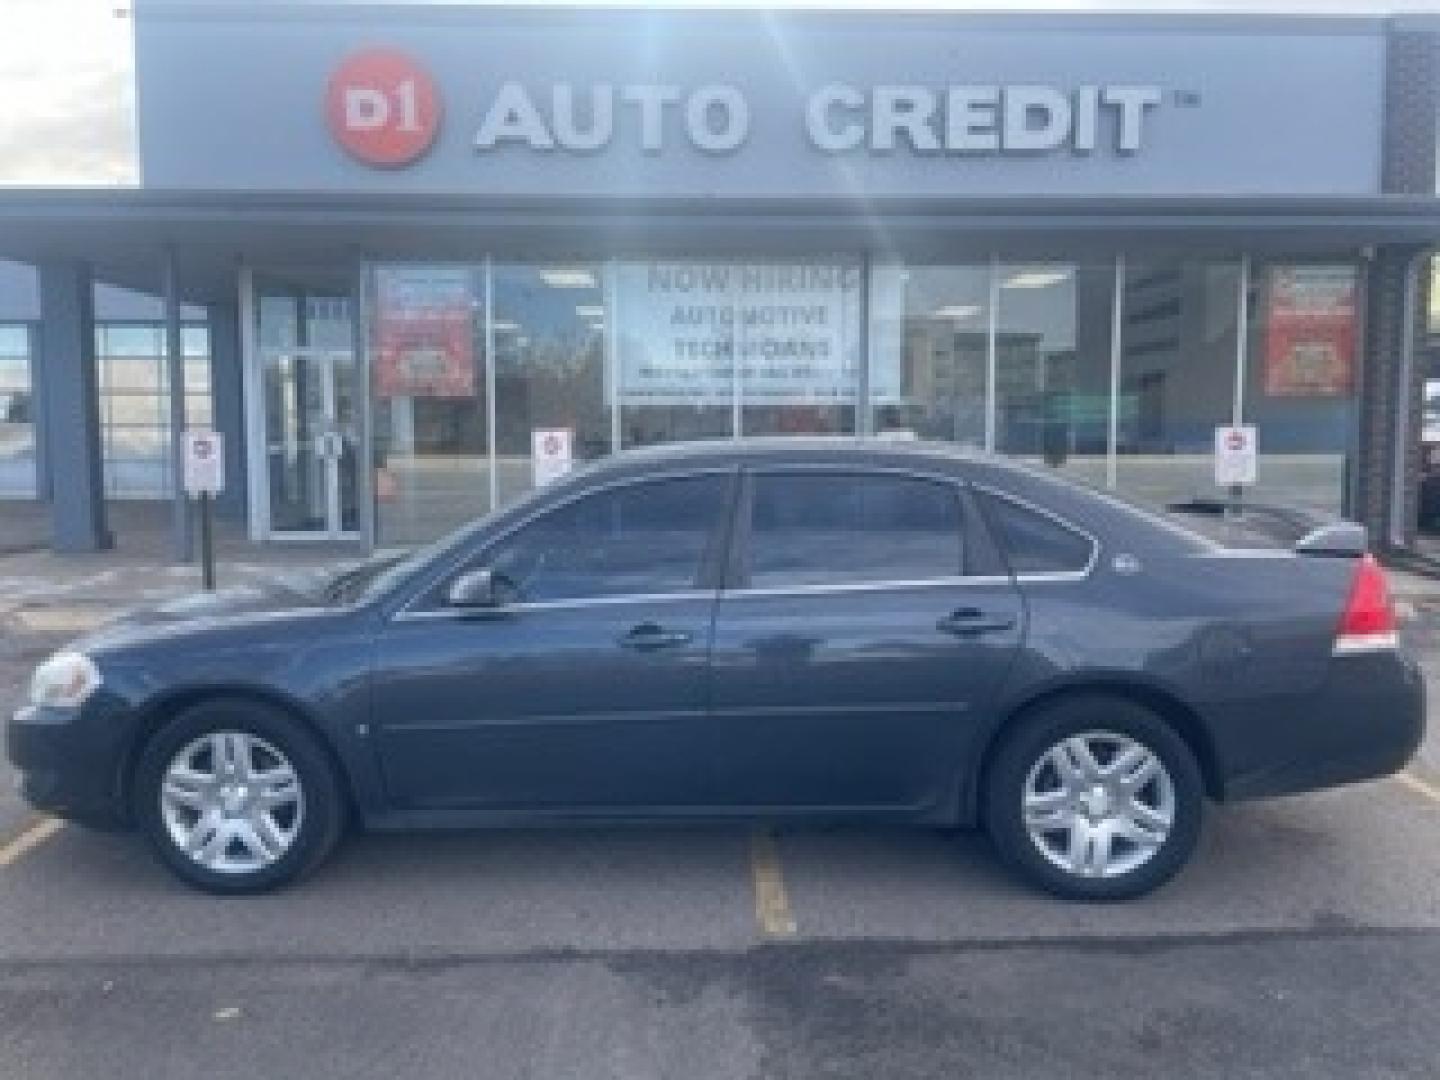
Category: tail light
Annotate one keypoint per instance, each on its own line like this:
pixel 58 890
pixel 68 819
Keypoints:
pixel 1368 623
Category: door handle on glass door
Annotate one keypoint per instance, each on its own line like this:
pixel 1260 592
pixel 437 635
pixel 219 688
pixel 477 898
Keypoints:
pixel 648 635
pixel 967 620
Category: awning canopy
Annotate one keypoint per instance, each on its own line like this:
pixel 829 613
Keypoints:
pixel 123 232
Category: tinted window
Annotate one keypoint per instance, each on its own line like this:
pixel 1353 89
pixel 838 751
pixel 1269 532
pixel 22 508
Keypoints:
pixel 644 538
pixel 837 530
pixel 1036 543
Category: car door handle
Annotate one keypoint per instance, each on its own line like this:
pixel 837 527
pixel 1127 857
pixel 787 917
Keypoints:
pixel 648 636
pixel 966 621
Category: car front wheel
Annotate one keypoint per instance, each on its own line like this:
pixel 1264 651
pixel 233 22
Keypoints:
pixel 1095 798
pixel 237 797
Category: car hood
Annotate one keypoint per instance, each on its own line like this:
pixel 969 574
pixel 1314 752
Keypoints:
pixel 254 602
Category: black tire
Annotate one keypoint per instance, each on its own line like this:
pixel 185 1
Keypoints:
pixel 1033 735
pixel 324 807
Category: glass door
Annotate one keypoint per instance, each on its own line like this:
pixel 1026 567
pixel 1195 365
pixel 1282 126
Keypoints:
pixel 311 441
pixel 306 415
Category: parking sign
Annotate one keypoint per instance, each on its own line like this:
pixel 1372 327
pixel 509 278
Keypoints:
pixel 204 470
pixel 1235 455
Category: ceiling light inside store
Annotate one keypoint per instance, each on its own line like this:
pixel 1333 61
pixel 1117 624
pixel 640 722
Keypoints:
pixel 956 312
pixel 505 326
pixel 1036 279
pixel 590 311
pixel 568 279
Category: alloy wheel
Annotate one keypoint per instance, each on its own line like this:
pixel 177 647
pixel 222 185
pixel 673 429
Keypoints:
pixel 1098 804
pixel 232 802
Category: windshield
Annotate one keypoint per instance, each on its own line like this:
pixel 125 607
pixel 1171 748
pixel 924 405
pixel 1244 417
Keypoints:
pixel 376 575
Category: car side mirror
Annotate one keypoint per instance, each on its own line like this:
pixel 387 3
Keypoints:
pixel 480 589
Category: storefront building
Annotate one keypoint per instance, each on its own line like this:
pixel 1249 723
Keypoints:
pixel 432 256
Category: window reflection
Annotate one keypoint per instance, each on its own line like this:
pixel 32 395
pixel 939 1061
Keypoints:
pixel 1052 364
pixel 17 414
pixel 432 449
pixel 133 377
pixel 1177 375
pixel 1300 380
pixel 929 339
pixel 549 336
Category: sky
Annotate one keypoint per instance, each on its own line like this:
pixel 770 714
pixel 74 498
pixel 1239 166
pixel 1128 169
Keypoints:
pixel 67 80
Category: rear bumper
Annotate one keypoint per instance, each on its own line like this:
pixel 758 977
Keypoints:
pixel 70 760
pixel 1366 721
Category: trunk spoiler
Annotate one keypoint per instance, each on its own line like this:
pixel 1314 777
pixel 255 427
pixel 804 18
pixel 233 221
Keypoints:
pixel 1342 538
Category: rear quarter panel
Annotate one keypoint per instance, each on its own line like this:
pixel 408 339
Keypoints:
pixel 1240 641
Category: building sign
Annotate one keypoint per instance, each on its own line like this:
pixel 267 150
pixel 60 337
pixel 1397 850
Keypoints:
pixel 203 461
pixel 466 99
pixel 424 332
pixel 1310 329
pixel 985 118
pixel 1236 455
pixel 382 107
pixel 787 332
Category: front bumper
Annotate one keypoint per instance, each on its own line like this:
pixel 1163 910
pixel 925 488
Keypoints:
pixel 71 761
pixel 1365 721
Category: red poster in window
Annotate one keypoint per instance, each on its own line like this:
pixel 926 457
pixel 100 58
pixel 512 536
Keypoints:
pixel 1310 330
pixel 424 332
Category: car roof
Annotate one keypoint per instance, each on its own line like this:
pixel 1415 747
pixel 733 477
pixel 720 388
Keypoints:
pixel 847 449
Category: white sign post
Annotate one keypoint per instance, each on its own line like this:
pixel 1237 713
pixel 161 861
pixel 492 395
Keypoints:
pixel 1236 457
pixel 204 475
pixel 551 453
pixel 204 472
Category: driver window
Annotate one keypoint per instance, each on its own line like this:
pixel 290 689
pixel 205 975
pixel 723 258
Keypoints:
pixel 632 540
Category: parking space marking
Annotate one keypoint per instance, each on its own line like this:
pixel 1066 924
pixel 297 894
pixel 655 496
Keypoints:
pixel 1414 783
pixel 32 837
pixel 772 905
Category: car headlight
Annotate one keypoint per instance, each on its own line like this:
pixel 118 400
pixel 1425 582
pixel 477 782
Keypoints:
pixel 66 679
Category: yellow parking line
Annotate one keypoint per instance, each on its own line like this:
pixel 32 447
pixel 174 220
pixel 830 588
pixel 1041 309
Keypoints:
pixel 1414 783
pixel 32 837
pixel 772 906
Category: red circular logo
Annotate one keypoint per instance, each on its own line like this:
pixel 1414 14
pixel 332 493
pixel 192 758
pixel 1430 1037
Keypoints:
pixel 382 107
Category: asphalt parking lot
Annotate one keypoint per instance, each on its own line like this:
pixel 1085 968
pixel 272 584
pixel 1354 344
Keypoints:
pixel 1303 941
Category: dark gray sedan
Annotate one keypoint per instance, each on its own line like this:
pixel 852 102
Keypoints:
pixel 793 630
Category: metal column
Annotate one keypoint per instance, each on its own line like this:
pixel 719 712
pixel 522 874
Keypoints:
pixel 183 544
pixel 72 407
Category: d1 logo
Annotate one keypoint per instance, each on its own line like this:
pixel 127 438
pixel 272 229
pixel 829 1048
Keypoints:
pixel 382 107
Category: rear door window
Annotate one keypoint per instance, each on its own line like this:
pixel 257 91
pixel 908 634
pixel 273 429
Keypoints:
pixel 814 529
pixel 1036 543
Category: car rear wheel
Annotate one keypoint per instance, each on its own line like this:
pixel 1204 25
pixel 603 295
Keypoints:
pixel 1094 798
pixel 237 797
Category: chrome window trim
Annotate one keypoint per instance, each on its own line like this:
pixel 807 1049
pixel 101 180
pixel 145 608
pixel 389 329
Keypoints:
pixel 1040 576
pixel 409 609
pixel 868 586
pixel 480 614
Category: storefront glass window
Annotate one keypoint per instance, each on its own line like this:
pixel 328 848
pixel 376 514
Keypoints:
pixel 549 339
pixel 1021 357
pixel 134 385
pixel 1052 364
pixel 428 379
pixel 17 414
pixel 673 340
pixel 709 349
pixel 797 337
pixel 1179 324
pixel 929 335
pixel 1300 380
